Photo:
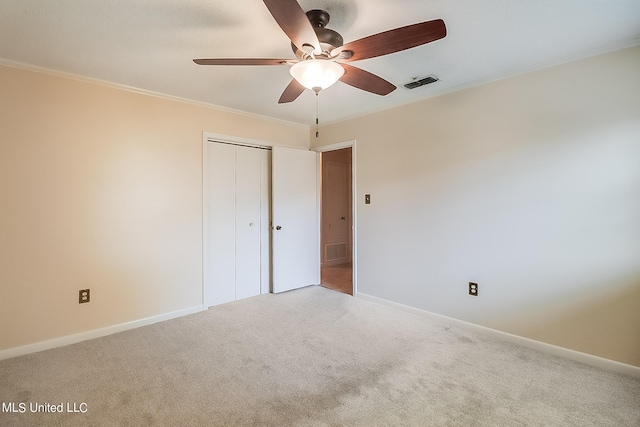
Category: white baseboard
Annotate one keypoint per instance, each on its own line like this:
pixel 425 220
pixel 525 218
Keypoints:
pixel 95 333
pixel 587 359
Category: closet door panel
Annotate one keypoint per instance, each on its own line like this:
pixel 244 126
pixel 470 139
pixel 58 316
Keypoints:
pixel 248 221
pixel 220 216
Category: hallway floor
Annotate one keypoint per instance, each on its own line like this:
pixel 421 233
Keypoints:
pixel 338 278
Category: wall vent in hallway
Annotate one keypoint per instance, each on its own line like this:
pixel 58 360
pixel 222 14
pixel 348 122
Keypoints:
pixel 335 251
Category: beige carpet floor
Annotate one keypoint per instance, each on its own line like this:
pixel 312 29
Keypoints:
pixel 311 357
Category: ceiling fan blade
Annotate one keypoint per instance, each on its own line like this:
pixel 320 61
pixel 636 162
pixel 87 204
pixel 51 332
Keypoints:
pixel 292 91
pixel 394 40
pixel 243 61
pixel 365 80
pixel 294 22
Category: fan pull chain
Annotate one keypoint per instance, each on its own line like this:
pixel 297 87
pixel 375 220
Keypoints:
pixel 317 115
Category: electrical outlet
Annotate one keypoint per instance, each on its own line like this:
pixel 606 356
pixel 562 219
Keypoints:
pixel 473 289
pixel 84 295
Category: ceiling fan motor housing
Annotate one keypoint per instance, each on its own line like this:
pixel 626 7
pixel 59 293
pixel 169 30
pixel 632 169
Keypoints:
pixel 328 39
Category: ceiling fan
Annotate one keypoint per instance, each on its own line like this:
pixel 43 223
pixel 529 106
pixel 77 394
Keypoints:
pixel 322 56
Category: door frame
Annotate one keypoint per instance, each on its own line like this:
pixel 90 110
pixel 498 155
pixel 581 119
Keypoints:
pixel 354 202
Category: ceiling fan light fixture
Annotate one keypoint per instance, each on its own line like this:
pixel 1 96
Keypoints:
pixel 317 74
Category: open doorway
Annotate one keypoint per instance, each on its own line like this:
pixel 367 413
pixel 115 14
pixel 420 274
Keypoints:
pixel 336 226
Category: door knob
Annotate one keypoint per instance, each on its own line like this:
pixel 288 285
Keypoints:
pixel 278 227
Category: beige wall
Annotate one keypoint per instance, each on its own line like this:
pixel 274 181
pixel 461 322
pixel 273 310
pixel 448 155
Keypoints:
pixel 529 186
pixel 101 188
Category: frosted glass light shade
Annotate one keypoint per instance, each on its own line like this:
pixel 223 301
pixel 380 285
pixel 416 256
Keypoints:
pixel 317 74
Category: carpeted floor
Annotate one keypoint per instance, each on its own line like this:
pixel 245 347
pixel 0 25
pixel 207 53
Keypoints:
pixel 311 357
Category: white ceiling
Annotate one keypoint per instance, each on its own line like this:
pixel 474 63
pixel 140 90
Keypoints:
pixel 150 44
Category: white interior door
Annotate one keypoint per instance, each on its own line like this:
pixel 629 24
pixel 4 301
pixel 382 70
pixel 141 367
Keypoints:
pixel 296 225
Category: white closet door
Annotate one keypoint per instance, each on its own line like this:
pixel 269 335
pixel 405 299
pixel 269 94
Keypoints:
pixel 219 264
pixel 248 221
pixel 296 237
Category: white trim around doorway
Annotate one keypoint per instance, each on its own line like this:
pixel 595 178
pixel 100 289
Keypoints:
pixel 354 194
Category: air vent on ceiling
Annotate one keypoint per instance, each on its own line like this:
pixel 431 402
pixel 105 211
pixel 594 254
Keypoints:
pixel 425 81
